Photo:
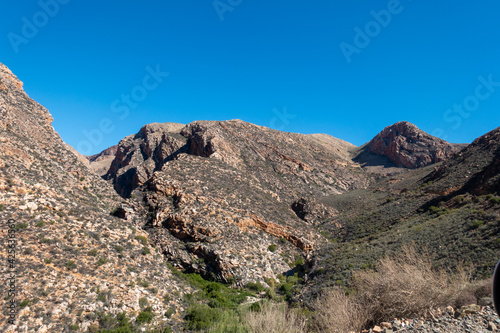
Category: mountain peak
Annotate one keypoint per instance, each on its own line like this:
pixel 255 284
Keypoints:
pixel 405 145
pixel 7 75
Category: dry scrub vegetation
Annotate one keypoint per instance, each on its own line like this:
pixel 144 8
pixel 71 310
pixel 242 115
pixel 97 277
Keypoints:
pixel 275 318
pixel 401 286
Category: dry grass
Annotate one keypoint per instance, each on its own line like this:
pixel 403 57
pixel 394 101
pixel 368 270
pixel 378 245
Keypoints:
pixel 275 318
pixel 337 313
pixel 402 286
pixel 405 285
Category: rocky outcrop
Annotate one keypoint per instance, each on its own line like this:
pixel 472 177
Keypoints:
pixel 213 219
pixel 475 169
pixel 313 211
pixel 138 156
pixel 409 147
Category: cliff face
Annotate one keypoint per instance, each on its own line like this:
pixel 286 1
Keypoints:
pixel 407 146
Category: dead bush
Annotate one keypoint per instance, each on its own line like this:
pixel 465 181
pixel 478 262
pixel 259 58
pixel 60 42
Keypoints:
pixel 405 285
pixel 473 293
pixel 335 312
pixel 275 318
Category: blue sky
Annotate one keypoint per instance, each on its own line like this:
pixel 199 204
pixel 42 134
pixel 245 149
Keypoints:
pixel 347 69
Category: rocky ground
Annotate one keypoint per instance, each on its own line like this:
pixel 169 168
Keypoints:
pixel 468 319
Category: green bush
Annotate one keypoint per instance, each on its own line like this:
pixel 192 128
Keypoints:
pixel 494 200
pixel 169 313
pixel 272 248
pixel 145 316
pixel 145 250
pixel 24 303
pixel 477 224
pixel 21 226
pixel 102 297
pixel 74 327
pixel 70 264
pixel 143 302
pixel 102 261
pixel 142 239
pixel 201 317
pixel 255 286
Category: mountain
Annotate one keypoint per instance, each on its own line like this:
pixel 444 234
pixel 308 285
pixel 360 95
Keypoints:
pixel 221 193
pixel 405 145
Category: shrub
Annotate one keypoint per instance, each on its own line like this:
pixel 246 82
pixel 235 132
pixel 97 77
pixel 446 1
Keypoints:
pixel 145 250
pixel 70 264
pixel 406 285
pixel 142 239
pixel 21 226
pixel 145 316
pixel 201 317
pixel 169 313
pixel 337 313
pixel 24 303
pixel 255 286
pixel 494 200
pixel 102 261
pixel 102 297
pixel 74 327
pixel 272 248
pixel 274 318
pixel 143 302
pixel 40 224
pixel 477 224
pixel 1 208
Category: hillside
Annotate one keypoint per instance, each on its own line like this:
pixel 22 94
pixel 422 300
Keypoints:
pixel 77 266
pixel 451 209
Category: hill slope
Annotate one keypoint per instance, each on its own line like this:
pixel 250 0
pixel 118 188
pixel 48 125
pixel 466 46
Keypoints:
pixel 76 264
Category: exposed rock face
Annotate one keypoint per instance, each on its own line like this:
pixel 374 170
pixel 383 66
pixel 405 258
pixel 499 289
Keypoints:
pixel 475 169
pixel 138 156
pixel 312 211
pixel 214 219
pixel 314 164
pixel 407 146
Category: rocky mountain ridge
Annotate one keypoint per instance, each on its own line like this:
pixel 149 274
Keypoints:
pixel 407 146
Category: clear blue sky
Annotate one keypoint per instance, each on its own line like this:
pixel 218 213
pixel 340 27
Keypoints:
pixel 262 57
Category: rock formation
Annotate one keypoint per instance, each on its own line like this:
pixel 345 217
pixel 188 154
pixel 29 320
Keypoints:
pixel 409 147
